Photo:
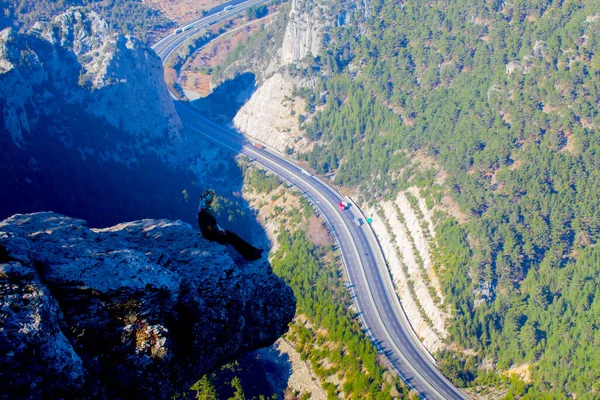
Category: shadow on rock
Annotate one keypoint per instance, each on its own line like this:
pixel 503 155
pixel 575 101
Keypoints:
pixel 226 100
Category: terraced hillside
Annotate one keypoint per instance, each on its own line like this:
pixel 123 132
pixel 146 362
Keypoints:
pixel 405 231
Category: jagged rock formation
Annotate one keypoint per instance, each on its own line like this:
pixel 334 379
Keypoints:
pixel 75 62
pixel 304 32
pixel 141 309
pixel 268 116
pixel 79 105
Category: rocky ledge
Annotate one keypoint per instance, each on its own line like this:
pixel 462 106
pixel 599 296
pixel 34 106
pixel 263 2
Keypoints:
pixel 141 309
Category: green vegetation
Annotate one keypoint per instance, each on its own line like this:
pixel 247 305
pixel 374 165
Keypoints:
pixel 256 12
pixel 504 96
pixel 327 332
pixel 234 381
pixel 129 17
pixel 261 182
pixel 323 300
pixel 256 52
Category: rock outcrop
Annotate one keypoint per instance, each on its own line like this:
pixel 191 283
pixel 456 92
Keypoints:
pixel 271 115
pixel 266 117
pixel 140 310
pixel 76 62
pixel 304 32
pixel 79 105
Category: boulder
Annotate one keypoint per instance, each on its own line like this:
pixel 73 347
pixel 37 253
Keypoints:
pixel 142 309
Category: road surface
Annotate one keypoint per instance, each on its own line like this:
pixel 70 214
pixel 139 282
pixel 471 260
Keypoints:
pixel 369 279
pixel 367 273
pixel 167 45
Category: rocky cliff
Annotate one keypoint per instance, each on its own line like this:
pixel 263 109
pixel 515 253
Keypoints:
pixel 80 105
pixel 304 31
pixel 271 114
pixel 140 310
pixel 266 117
pixel 76 63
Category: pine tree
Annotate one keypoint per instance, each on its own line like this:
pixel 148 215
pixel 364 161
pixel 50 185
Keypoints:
pixel 205 389
pixel 239 390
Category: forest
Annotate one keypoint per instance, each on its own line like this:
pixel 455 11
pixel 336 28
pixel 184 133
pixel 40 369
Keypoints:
pixel 504 96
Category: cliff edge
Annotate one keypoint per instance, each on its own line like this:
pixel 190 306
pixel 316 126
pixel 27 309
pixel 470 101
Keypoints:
pixel 142 309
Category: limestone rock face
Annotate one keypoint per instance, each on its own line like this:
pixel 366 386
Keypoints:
pixel 309 22
pixel 271 116
pixel 142 309
pixel 304 32
pixel 74 64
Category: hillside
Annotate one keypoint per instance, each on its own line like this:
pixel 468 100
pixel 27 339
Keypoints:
pixel 503 98
pixel 483 118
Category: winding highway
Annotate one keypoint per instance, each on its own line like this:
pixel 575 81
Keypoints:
pixel 368 277
pixel 167 45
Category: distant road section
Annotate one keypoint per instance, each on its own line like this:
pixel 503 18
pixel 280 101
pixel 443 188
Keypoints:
pixel 167 45
pixel 369 280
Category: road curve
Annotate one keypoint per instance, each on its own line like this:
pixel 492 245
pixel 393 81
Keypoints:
pixel 369 279
pixel 367 273
pixel 167 45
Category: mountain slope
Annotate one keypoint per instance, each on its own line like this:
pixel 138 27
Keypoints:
pixel 79 105
pixel 503 96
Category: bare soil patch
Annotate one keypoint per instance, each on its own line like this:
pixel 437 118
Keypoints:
pixel 183 11
pixel 570 145
pixel 522 371
pixel 195 74
pixel 197 82
pixel 317 233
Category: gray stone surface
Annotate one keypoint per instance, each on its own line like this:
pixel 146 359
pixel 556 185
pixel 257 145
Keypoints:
pixel 141 309
pixel 77 60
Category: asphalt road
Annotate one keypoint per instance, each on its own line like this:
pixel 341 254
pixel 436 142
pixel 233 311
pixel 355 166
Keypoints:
pixel 367 273
pixel 369 280
pixel 167 45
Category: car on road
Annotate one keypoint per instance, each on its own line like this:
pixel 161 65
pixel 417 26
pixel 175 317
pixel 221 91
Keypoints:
pixel 178 31
pixel 258 145
pixel 305 172
pixel 357 221
pixel 343 205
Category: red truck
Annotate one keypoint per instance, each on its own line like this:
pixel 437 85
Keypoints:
pixel 260 146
